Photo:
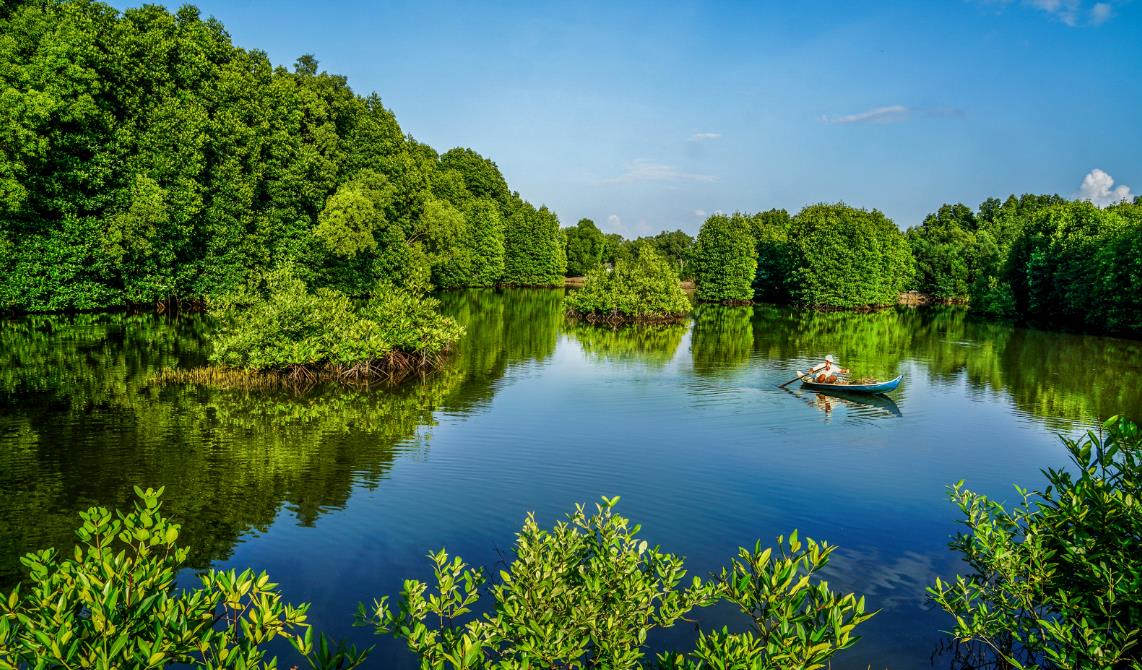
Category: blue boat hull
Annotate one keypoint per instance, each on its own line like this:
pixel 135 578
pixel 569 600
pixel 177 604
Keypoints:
pixel 878 387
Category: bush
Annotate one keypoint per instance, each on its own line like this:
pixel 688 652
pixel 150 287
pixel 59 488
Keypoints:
pixel 114 604
pixel 847 257
pixel 645 288
pixel 725 260
pixel 588 592
pixel 1056 581
pixel 284 327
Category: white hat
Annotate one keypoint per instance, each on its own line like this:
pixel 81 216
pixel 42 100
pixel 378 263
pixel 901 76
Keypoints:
pixel 829 358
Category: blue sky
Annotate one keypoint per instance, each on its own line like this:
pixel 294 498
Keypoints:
pixel 648 116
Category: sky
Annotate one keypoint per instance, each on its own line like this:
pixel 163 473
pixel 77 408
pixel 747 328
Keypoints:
pixel 650 116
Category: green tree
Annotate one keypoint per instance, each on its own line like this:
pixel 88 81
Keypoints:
pixel 942 247
pixel 725 260
pixel 533 248
pixel 847 257
pixel 585 246
pixel 481 176
pixel 144 158
pixel 774 255
pixel 676 247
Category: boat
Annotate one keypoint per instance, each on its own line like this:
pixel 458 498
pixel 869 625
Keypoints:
pixel 875 387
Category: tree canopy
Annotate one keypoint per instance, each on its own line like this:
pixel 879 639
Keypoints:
pixel 144 158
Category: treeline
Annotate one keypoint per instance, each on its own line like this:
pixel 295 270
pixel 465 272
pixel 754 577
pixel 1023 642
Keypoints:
pixel 1037 258
pixel 826 256
pixel 588 248
pixel 144 158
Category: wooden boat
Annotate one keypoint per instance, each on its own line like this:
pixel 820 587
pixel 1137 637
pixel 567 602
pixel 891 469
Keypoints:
pixel 876 387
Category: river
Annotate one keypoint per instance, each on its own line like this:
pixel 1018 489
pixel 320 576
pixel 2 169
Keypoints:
pixel 340 493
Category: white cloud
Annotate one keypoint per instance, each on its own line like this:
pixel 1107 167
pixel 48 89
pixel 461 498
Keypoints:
pixel 615 224
pixel 705 137
pixel 893 114
pixel 1098 187
pixel 700 213
pixel 1068 12
pixel 1100 12
pixel 646 171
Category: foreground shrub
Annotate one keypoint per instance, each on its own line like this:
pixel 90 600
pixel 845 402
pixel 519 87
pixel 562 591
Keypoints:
pixel 588 592
pixel 847 257
pixel 725 259
pixel 114 605
pixel 1056 581
pixel 284 327
pixel 644 288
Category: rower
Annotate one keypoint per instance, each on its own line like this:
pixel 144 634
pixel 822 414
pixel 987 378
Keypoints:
pixel 827 372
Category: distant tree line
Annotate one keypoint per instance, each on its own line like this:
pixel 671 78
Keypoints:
pixel 144 158
pixel 1036 258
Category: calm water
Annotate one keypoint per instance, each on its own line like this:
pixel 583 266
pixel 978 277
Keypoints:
pixel 339 494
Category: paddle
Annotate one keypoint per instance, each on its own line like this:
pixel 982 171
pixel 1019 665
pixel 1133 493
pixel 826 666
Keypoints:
pixel 799 376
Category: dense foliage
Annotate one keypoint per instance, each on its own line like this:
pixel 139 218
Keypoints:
pixel 1056 581
pixel 144 158
pixel 1037 258
pixel 674 245
pixel 847 257
pixel 534 250
pixel 775 262
pixel 115 604
pixel 284 327
pixel 724 259
pixel 587 593
pixel 644 288
pixel 942 248
pixel 1075 264
pixel 585 248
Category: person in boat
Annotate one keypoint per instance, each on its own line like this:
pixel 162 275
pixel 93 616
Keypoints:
pixel 828 372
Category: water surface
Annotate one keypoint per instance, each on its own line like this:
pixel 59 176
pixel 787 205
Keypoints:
pixel 340 493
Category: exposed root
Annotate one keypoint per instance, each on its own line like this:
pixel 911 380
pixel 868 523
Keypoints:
pixel 391 369
pixel 615 319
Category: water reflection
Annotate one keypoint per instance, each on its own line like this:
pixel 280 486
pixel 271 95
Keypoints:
pixel 652 345
pixel 861 405
pixel 722 340
pixel 80 423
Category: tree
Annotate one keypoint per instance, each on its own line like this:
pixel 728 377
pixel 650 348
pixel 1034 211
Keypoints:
pixel 676 247
pixel 145 158
pixel 725 260
pixel 942 247
pixel 585 246
pixel 481 176
pixel 847 257
pixel 774 257
pixel 533 248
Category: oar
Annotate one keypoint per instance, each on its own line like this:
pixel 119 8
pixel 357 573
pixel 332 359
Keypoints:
pixel 799 376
